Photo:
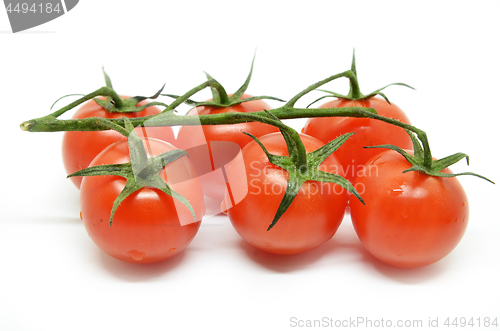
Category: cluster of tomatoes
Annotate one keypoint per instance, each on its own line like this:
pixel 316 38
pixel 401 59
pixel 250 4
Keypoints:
pixel 408 219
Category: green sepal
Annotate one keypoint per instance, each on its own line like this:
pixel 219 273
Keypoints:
pixel 112 102
pixel 150 104
pixel 232 101
pixel 130 187
pixel 139 172
pixel 354 91
pixel 220 98
pixel 437 166
pixel 292 188
pixel 219 94
pixel 418 151
pixel 108 104
pixel 273 159
pixel 121 169
pixel 290 143
pixel 237 95
pixel 154 96
pixel 157 163
pixel 330 95
pixel 65 96
pixel 159 184
pixel 107 80
pixel 108 83
pixel 299 174
pixel 187 101
pixel 146 171
pixel 322 176
pixel 128 105
pixel 317 157
pixel 379 91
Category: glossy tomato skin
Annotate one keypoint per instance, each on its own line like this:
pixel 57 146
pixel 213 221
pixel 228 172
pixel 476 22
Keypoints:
pixel 369 132
pixel 257 188
pixel 80 147
pixel 148 226
pixel 190 137
pixel 410 219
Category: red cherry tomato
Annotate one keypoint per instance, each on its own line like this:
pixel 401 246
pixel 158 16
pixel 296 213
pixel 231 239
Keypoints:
pixel 410 219
pixel 224 142
pixel 369 132
pixel 80 147
pixel 257 188
pixel 148 226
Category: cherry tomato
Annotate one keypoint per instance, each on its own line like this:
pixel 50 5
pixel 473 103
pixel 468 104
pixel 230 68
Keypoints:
pixel 410 219
pixel 212 146
pixel 148 226
pixel 257 188
pixel 80 147
pixel 369 132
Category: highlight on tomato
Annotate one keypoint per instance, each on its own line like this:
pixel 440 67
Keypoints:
pixel 415 213
pixel 369 131
pixel 79 148
pixel 141 201
pixel 211 147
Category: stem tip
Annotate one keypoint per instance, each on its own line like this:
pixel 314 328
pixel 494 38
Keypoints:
pixel 26 126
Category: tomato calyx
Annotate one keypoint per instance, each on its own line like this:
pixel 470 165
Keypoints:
pixel 140 172
pixel 220 98
pixel 112 102
pixel 302 166
pixel 418 160
pixel 129 105
pixel 354 90
pixel 115 104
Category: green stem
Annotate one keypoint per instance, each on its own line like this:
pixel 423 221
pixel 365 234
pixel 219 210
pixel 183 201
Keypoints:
pixel 50 123
pixel 312 87
pixel 299 146
pixel 114 126
pixel 354 90
pixel 223 97
pixel 103 91
pixel 209 83
pixel 219 94
pixel 422 136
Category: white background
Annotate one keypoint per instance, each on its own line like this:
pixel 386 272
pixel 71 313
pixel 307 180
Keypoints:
pixel 52 277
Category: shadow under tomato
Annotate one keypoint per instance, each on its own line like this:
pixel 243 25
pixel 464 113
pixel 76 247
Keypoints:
pixel 405 275
pixel 287 263
pixel 135 272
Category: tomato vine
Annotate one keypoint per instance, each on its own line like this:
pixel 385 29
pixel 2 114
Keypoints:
pixel 299 164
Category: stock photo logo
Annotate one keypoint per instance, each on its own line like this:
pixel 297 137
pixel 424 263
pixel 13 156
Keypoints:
pixel 26 14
